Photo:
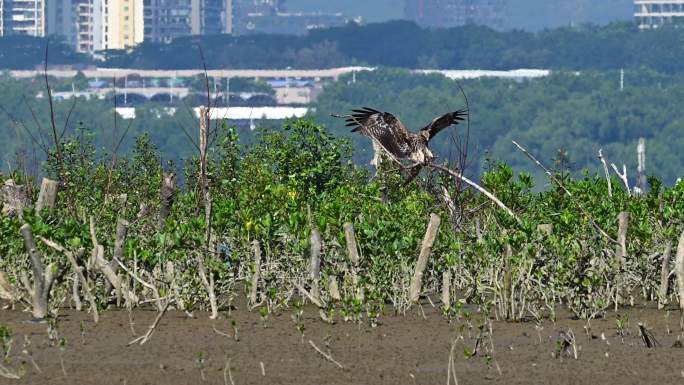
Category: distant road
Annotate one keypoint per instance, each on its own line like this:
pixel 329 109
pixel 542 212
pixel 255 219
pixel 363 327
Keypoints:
pixel 120 73
pixel 332 73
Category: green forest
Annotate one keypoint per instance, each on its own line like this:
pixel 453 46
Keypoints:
pixel 392 44
pixel 576 113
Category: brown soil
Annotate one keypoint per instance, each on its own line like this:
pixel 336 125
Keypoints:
pixel 401 350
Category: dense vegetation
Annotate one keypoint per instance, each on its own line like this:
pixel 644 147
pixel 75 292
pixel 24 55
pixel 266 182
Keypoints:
pixel 25 122
pixel 576 113
pixel 579 113
pixel 401 44
pixel 26 52
pixel 272 197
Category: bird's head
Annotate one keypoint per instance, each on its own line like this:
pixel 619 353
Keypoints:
pixel 424 135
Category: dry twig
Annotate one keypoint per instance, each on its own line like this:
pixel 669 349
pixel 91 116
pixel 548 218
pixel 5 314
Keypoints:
pixel 326 356
pixel 567 192
pixel 144 338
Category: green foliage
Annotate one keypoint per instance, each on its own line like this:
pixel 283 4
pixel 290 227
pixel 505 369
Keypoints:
pixel 6 340
pixel 404 44
pixel 26 52
pixel 576 113
pixel 398 44
pixel 289 182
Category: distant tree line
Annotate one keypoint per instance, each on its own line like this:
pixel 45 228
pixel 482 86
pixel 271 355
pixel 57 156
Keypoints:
pixel 27 53
pixel 404 44
pixel 392 44
pixel 578 113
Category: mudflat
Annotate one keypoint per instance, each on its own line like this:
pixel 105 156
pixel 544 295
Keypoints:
pixel 403 349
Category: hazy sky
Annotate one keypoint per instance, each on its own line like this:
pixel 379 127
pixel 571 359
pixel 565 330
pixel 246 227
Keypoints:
pixel 522 14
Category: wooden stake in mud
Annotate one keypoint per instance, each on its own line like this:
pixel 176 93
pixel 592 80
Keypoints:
pixel 446 289
pixel 206 276
pixel 623 224
pixel 641 166
pixel 48 195
pixel 353 255
pixel 679 271
pixel 167 195
pixel 425 248
pixel 75 292
pixel 315 263
pixel 14 198
pixel 507 304
pixel 333 288
pixel 352 251
pixel 664 275
pixel 254 289
pixel 119 243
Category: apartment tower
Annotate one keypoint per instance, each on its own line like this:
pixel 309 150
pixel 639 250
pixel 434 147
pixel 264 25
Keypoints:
pixel 22 17
pixel 655 13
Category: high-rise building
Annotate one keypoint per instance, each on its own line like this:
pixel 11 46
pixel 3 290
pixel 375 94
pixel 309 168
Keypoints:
pixel 123 23
pixel 3 15
pixel 165 20
pixel 207 17
pixel 60 20
pixel 228 17
pixel 23 17
pixel 88 25
pixel 95 25
pixel 453 13
pixel 655 13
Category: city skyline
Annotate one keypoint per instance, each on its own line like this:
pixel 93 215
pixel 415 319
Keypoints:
pixel 90 26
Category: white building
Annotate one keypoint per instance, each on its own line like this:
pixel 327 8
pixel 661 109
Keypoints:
pixel 94 25
pixel 88 17
pixel 655 13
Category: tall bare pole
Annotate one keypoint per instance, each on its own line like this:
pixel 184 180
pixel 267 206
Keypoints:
pixel 641 167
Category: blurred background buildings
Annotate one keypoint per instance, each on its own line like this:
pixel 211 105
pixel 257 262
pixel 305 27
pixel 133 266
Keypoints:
pixel 94 25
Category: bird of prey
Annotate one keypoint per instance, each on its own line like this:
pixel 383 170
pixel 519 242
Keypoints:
pixel 389 133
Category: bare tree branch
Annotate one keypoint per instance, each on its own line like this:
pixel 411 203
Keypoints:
pixel 567 192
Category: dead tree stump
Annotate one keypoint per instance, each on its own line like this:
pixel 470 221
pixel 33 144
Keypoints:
pixel 315 262
pixel 353 255
pixel 425 249
pixel 254 289
pixel 679 270
pixel 48 195
pixel 664 275
pixel 14 198
pixel 168 195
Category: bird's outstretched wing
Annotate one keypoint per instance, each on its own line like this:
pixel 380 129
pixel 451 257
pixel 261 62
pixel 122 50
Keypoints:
pixel 444 121
pixel 383 127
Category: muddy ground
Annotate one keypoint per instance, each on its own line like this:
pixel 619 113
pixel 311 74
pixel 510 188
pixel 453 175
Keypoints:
pixel 401 350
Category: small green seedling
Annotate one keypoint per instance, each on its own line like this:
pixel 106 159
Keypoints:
pixel 263 312
pixel 200 360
